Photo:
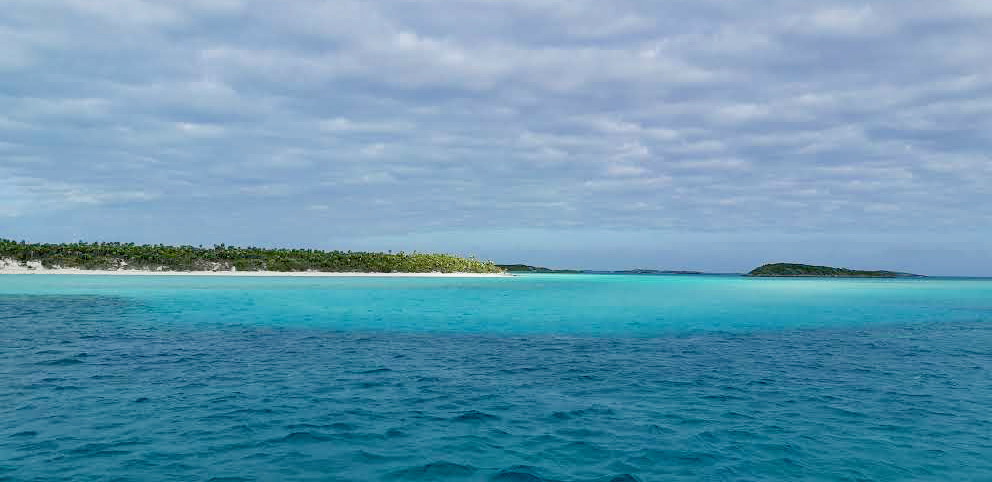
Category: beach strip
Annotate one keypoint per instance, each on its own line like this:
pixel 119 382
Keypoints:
pixel 37 269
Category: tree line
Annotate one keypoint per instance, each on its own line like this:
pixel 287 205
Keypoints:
pixel 108 256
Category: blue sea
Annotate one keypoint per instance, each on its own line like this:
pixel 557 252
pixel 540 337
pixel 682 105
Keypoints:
pixel 531 378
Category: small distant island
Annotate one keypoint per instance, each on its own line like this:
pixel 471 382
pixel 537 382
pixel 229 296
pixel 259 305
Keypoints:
pixel 129 257
pixel 524 268
pixel 655 271
pixel 805 270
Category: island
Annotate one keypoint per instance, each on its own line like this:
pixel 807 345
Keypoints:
pixel 655 271
pixel 128 257
pixel 805 270
pixel 523 268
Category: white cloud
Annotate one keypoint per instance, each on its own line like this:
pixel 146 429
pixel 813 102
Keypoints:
pixel 26 196
pixel 848 20
pixel 373 150
pixel 343 125
pixel 607 108
pixel 624 170
pixel 200 130
pixel 133 13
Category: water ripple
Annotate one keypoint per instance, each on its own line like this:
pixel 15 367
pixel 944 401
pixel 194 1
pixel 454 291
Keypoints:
pixel 95 388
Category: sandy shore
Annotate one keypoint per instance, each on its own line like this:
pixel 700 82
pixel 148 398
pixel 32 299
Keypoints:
pixel 7 267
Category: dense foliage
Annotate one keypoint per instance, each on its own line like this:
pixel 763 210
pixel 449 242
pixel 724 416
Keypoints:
pixel 791 269
pixel 223 258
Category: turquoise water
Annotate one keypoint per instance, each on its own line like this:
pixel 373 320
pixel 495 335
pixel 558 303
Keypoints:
pixel 532 378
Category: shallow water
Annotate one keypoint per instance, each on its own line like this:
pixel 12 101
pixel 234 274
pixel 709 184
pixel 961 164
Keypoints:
pixel 562 378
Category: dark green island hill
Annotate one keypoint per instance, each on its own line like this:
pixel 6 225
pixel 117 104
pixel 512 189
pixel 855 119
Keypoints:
pixel 128 256
pixel 794 270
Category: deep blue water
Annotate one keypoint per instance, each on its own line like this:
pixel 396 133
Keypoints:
pixel 558 378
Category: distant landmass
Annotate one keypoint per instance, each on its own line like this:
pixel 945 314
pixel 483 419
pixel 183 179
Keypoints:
pixel 523 268
pixel 655 271
pixel 220 258
pixel 805 270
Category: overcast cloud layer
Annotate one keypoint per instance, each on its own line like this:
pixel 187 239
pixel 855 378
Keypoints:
pixel 595 134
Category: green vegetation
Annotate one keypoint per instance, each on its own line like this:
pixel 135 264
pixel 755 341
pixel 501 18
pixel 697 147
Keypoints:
pixel 523 268
pixel 103 256
pixel 791 269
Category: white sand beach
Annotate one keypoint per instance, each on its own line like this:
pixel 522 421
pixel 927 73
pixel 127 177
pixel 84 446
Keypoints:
pixel 9 266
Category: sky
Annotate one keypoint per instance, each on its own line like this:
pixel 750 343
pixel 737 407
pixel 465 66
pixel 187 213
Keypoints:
pixel 695 134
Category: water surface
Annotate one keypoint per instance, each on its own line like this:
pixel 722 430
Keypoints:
pixel 541 377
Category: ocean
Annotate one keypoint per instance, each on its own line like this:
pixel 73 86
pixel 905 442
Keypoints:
pixel 531 378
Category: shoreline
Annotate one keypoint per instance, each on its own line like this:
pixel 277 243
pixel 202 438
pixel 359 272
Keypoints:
pixel 256 274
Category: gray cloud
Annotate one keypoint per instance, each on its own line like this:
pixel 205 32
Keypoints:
pixel 388 118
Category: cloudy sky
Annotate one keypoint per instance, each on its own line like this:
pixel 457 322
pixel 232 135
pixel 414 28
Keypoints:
pixel 599 134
